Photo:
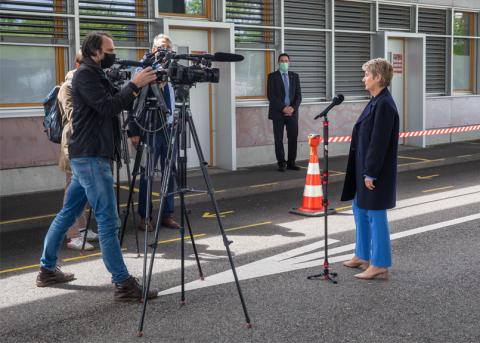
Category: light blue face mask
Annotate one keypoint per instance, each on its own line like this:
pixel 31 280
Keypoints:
pixel 283 67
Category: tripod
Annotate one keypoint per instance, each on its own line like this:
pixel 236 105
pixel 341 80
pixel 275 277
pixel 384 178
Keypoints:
pixel 326 274
pixel 150 110
pixel 178 146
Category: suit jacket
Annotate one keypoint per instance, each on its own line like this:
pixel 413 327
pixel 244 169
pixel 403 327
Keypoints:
pixel 373 152
pixel 276 94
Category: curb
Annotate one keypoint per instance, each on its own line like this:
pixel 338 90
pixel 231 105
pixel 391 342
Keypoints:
pixel 244 191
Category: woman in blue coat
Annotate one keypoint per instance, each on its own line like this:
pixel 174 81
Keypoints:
pixel 371 175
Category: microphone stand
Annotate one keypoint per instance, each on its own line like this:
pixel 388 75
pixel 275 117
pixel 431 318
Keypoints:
pixel 326 274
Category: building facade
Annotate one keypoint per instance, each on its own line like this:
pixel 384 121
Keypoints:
pixel 434 46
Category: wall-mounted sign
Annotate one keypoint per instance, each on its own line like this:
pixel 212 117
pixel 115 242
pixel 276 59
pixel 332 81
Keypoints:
pixel 397 63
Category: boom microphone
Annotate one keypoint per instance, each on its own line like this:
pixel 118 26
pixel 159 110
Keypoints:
pixel 217 57
pixel 337 100
pixel 130 63
pixel 226 57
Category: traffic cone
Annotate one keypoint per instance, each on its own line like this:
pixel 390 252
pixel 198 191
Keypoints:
pixel 312 204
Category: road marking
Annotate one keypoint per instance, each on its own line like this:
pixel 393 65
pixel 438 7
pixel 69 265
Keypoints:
pixel 124 205
pixel 19 268
pixel 338 209
pixel 299 258
pixel 264 185
pixel 247 226
pixel 187 237
pixel 414 158
pixel 429 177
pixel 13 221
pixel 213 215
pixel 135 189
pixel 463 156
pixel 436 189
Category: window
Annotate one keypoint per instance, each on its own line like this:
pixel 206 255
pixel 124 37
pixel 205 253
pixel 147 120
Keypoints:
pixel 124 33
pixel 463 52
pixel 306 45
pixel 196 8
pixel 29 84
pixel 308 54
pixel 351 52
pixel 250 73
pixel 392 17
pixel 352 49
pixel 117 8
pixel 256 41
pixel 29 71
pixel 433 22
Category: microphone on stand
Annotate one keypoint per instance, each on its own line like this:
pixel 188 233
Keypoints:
pixel 337 100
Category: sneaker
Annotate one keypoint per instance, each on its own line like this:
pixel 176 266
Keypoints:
pixel 91 236
pixel 131 291
pixel 76 243
pixel 48 277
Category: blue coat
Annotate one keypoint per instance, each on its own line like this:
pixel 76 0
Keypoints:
pixel 373 152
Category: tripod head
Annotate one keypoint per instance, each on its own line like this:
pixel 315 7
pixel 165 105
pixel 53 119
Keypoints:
pixel 150 109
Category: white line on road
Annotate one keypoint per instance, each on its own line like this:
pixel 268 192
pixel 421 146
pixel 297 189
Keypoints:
pixel 290 260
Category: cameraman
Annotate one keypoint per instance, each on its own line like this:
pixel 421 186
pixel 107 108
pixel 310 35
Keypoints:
pixel 160 147
pixel 93 145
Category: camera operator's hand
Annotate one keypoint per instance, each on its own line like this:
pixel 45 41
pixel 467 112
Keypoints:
pixel 135 140
pixel 144 77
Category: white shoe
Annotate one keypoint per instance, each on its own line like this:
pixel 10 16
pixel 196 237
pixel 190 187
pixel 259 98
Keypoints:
pixel 77 242
pixel 91 236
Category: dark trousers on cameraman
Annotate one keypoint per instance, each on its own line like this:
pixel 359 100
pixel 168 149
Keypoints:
pixel 160 152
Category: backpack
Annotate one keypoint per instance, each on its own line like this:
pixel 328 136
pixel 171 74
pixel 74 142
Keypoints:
pixel 52 122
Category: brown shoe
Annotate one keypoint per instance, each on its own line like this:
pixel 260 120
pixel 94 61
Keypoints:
pixel 373 272
pixel 355 262
pixel 131 291
pixel 48 277
pixel 170 223
pixel 141 225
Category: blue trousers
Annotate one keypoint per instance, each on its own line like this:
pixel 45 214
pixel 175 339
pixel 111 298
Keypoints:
pixel 92 180
pixel 372 236
pixel 160 149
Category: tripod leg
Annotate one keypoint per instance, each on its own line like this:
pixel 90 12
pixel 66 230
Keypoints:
pixel 163 193
pixel 202 277
pixel 226 242
pixel 136 168
pixel 89 219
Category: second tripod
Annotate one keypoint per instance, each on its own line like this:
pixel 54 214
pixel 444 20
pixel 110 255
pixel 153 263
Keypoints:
pixel 177 150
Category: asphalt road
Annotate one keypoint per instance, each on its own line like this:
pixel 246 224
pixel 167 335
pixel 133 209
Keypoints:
pixel 432 294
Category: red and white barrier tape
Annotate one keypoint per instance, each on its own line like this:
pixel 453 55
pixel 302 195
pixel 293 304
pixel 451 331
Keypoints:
pixel 341 139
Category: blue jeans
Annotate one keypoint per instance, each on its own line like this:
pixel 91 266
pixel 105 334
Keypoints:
pixel 372 236
pixel 93 181
pixel 160 150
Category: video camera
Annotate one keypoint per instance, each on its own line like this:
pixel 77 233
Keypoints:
pixel 166 65
pixel 118 76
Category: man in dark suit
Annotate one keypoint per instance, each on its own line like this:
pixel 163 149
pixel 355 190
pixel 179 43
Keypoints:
pixel 284 95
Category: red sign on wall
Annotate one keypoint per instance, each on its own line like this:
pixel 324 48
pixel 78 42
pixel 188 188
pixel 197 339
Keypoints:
pixel 397 63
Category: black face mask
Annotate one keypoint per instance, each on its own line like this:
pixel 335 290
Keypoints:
pixel 108 61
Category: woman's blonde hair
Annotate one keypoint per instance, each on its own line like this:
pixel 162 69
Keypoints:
pixel 380 66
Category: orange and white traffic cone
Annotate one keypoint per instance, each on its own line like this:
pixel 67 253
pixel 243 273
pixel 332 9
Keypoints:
pixel 312 204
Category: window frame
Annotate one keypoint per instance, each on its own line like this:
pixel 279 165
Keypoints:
pixel 207 9
pixel 471 41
